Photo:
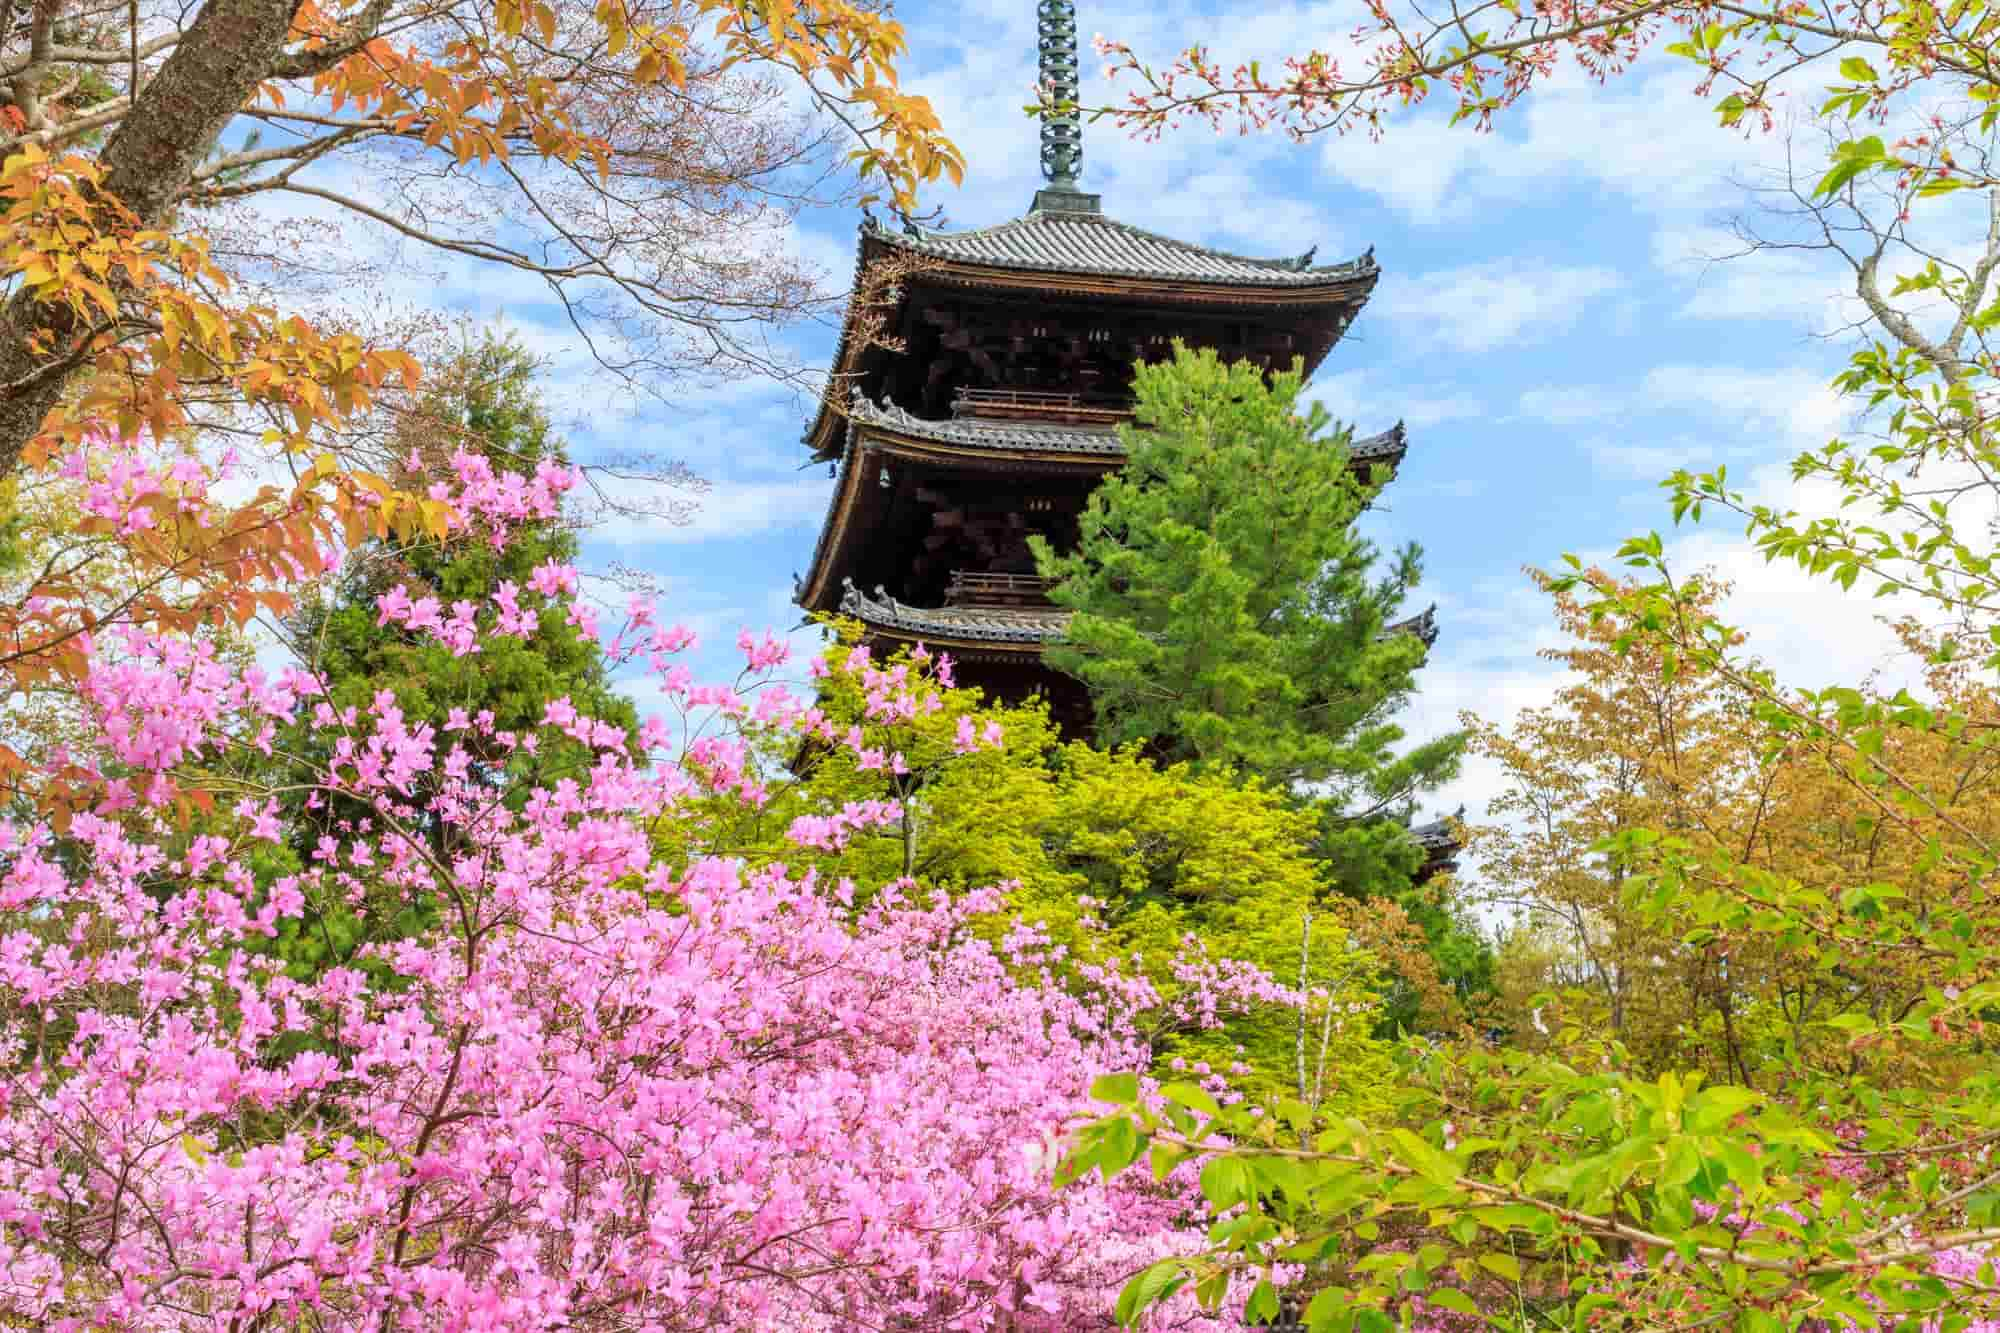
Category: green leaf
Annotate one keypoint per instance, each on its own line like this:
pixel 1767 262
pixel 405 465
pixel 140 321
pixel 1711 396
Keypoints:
pixel 1854 67
pixel 1118 1089
pixel 1506 1265
pixel 1850 160
pixel 1121 1145
pixel 1937 185
pixel 1420 1157
pixel 1224 1182
pixel 1683 1161
pixel 1192 1096
pixel 1717 1106
pixel 1147 1287
pixel 1454 1300
pixel 1165 1157
pixel 1744 1172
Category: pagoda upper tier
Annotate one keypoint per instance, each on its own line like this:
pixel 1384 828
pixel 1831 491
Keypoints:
pixel 1065 300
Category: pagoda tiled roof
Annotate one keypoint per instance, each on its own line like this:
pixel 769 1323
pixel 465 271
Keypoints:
pixel 1437 837
pixel 1440 844
pixel 991 624
pixel 1424 625
pixel 1085 444
pixel 1013 624
pixel 986 433
pixel 1386 446
pixel 1045 241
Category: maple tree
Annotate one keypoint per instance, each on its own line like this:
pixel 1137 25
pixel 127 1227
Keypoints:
pixel 109 184
pixel 1620 747
pixel 1627 747
pixel 624 146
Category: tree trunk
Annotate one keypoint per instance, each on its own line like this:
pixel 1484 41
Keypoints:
pixel 1299 1036
pixel 229 49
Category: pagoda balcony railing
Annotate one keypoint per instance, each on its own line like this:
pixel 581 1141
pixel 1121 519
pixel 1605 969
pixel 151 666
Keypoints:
pixel 1043 405
pixel 969 588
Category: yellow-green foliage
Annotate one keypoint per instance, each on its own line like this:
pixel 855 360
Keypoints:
pixel 1158 855
pixel 1112 855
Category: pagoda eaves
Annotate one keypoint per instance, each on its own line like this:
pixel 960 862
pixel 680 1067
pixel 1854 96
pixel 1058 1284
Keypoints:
pixel 1023 629
pixel 1086 243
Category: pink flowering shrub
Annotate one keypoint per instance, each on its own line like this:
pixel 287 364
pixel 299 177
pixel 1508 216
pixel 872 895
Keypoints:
pixel 608 1092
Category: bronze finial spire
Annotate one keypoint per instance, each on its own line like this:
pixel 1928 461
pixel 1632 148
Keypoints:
pixel 1062 133
pixel 1062 128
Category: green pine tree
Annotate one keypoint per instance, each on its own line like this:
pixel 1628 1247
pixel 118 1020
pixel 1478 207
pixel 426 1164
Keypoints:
pixel 1228 615
pixel 485 400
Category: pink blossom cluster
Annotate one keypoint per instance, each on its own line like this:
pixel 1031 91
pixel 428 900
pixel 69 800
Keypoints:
pixel 157 702
pixel 460 630
pixel 1210 986
pixel 830 832
pixel 966 742
pixel 160 702
pixel 609 1092
pixel 498 500
pixel 121 480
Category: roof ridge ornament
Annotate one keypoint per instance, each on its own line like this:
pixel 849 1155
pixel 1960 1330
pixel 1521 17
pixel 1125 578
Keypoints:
pixel 1062 124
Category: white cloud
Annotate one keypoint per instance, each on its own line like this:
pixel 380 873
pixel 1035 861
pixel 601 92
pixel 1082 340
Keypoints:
pixel 1644 136
pixel 1744 413
pixel 1565 405
pixel 1479 307
pixel 1797 406
pixel 1650 460
pixel 1364 400
pixel 729 510
pixel 1420 411
pixel 1724 279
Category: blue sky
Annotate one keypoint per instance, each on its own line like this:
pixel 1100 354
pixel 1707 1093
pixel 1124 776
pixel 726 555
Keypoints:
pixel 1546 325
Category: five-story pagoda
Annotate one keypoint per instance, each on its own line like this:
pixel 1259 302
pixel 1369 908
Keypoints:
pixel 998 410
